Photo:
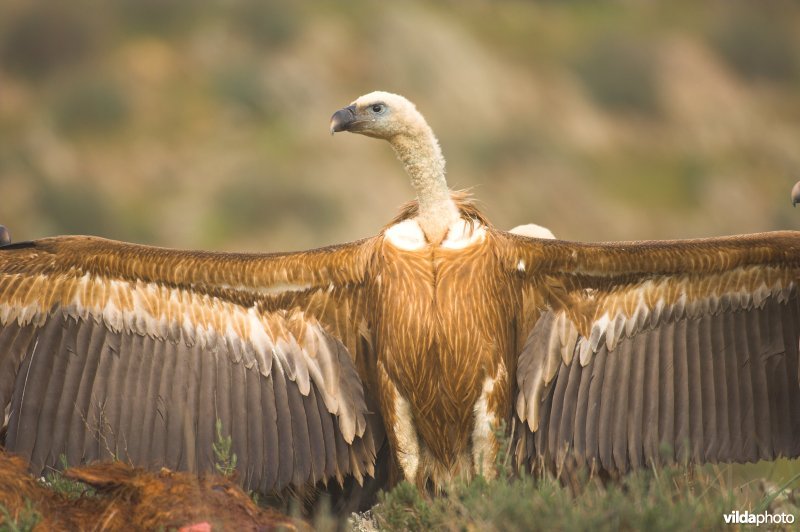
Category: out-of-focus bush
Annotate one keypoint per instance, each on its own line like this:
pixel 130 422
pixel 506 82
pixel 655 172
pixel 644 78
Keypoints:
pixel 267 23
pixel 46 37
pixel 91 107
pixel 260 201
pixel 619 73
pixel 759 47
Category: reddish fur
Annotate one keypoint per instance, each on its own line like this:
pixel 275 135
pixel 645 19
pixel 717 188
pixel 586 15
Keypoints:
pixel 134 499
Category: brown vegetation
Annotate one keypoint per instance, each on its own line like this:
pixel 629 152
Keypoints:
pixel 128 498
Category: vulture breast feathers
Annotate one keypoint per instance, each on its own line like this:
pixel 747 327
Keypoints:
pixel 424 338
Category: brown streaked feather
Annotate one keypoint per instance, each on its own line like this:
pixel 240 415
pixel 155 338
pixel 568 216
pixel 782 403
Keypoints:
pixel 267 273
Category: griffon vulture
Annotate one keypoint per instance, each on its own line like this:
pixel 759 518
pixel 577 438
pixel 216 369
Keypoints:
pixel 425 338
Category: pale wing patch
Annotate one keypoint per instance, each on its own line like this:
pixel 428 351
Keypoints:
pixel 463 234
pixel 627 313
pixel 406 235
pixel 533 231
pixel 259 340
pixel 599 319
pixel 275 289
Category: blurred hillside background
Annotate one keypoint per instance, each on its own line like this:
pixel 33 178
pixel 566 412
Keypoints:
pixel 205 124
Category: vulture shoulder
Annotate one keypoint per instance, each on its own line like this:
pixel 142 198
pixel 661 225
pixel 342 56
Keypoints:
pixel 118 350
pixel 635 352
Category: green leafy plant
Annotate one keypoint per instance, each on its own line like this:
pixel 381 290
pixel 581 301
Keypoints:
pixel 225 457
pixel 70 488
pixel 24 521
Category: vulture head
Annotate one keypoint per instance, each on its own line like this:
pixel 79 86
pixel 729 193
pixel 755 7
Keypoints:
pixel 796 194
pixel 391 117
pixel 379 114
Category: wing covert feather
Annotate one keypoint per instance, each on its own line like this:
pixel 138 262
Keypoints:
pixel 685 348
pixel 241 338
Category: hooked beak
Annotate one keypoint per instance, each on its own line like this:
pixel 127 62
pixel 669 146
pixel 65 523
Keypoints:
pixel 343 119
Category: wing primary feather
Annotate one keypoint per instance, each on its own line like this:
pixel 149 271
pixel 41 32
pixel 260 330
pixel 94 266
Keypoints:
pixel 342 456
pixel 329 437
pixel 148 409
pixel 566 429
pixel 540 436
pixel 28 396
pixel 174 404
pixel 556 415
pixel 681 386
pixel 695 385
pixel 791 324
pixel 708 446
pixel 301 449
pixel 744 368
pixel 595 404
pixel 50 389
pixel 113 441
pixel 223 394
pixel 255 429
pixel 285 436
pixel 76 357
pixel 139 399
pixel 582 412
pixel 649 346
pixel 758 352
pixel 191 411
pixel 79 420
pixel 96 446
pixel 272 447
pixel 315 434
pixel 727 352
pixel 622 407
pixel 776 373
pixel 14 342
pixel 636 401
pixel 206 408
pixel 239 416
pixel 130 396
pixel 157 453
pixel 666 388
pixel 607 407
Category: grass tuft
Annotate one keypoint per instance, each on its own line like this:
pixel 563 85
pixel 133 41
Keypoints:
pixel 25 520
pixel 670 498
pixel 72 489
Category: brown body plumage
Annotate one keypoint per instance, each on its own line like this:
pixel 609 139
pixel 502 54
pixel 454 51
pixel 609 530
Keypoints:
pixel 431 334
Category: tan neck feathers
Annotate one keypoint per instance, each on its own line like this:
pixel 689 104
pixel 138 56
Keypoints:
pixel 422 157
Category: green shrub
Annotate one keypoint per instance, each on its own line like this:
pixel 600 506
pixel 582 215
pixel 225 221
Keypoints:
pixel 619 73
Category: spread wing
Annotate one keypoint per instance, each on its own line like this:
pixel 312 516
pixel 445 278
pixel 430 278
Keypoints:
pixel 112 350
pixel 637 353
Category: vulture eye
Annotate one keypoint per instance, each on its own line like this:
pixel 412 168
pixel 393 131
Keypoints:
pixel 378 108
